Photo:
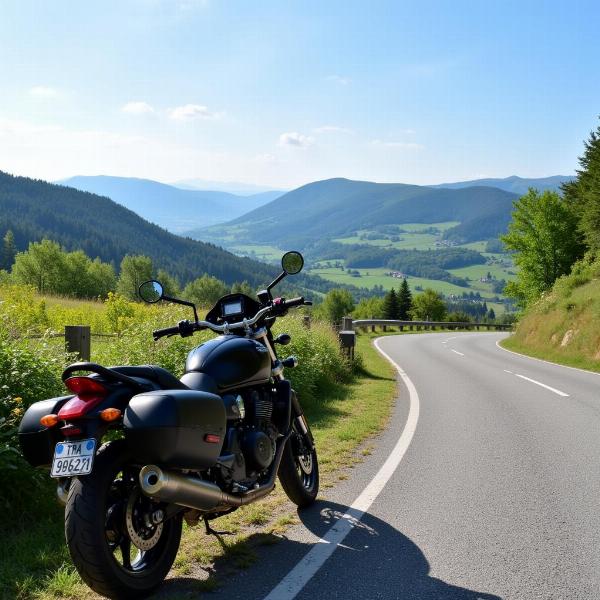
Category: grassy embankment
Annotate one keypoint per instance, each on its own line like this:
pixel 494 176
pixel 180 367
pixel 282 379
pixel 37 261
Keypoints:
pixel 34 561
pixel 564 326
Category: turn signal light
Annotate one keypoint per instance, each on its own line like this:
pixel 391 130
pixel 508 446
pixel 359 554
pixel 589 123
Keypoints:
pixel 49 420
pixel 110 414
pixel 211 438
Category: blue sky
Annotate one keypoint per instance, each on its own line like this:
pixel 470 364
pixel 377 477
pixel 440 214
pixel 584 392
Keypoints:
pixel 283 93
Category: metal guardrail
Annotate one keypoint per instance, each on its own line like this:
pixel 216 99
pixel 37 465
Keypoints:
pixel 429 325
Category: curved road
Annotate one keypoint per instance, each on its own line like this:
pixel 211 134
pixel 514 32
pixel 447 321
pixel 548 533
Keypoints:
pixel 496 496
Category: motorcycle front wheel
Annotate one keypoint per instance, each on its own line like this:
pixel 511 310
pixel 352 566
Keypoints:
pixel 117 539
pixel 299 469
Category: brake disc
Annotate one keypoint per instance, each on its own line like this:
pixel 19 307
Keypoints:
pixel 143 536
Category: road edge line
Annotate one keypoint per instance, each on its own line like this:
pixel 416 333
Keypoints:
pixel 296 579
pixel 548 362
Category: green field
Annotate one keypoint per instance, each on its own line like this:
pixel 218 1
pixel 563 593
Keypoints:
pixel 475 272
pixel 377 276
pixel 264 253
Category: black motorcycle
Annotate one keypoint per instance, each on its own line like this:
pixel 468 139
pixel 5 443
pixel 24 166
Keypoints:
pixel 196 448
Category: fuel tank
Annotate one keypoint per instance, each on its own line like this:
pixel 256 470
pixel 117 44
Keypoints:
pixel 231 361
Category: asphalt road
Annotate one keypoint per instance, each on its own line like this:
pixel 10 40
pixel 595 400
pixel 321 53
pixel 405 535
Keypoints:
pixel 496 495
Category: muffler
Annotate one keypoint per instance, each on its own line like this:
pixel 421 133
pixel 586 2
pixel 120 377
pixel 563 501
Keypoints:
pixel 193 492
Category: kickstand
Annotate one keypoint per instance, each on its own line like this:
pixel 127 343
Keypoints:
pixel 211 531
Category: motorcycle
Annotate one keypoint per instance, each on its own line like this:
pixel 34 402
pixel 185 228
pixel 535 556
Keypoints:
pixel 194 448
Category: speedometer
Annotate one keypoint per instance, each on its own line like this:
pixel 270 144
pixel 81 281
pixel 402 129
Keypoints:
pixel 232 307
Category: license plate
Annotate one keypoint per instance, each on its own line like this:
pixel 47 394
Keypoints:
pixel 73 458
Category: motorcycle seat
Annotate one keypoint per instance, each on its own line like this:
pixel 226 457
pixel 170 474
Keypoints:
pixel 156 374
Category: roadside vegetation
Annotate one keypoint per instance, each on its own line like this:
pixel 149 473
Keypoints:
pixel 345 404
pixel 556 241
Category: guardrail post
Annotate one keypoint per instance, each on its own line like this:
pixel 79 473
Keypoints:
pixel 347 324
pixel 384 328
pixel 78 340
pixel 347 343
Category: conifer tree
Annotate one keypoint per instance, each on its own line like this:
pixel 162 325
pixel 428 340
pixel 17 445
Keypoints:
pixel 9 251
pixel 391 309
pixel 404 301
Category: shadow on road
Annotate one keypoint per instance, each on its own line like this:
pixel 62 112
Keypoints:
pixel 374 561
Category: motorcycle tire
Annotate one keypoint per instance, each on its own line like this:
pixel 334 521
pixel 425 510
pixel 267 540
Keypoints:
pixel 299 470
pixel 104 511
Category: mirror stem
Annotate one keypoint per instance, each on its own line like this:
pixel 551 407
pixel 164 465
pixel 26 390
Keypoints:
pixel 184 303
pixel 276 280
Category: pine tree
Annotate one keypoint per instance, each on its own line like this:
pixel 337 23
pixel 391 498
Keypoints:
pixel 583 194
pixel 9 251
pixel 391 309
pixel 404 301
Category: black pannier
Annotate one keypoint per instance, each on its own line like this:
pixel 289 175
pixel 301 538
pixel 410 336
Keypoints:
pixel 37 442
pixel 181 429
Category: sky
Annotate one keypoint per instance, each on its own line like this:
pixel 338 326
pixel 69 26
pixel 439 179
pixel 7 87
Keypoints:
pixel 281 93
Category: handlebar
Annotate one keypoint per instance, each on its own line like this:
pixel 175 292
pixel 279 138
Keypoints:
pixel 186 328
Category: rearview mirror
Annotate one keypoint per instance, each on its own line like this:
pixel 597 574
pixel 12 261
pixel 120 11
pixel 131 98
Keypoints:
pixel 151 291
pixel 292 262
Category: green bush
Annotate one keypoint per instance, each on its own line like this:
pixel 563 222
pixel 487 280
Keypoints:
pixel 28 373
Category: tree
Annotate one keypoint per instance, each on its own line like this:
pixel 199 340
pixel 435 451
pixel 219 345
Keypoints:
pixel 134 271
pixel 243 288
pixel 491 316
pixel 9 251
pixel 336 304
pixel 205 290
pixel 391 308
pixel 428 306
pixel 43 265
pixel 583 194
pixel 404 301
pixel 170 284
pixel 369 308
pixel 543 236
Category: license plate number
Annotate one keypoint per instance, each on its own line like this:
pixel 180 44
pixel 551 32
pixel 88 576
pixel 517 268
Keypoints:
pixel 73 458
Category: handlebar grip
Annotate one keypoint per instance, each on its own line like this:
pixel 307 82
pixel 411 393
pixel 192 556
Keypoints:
pixel 158 333
pixel 294 302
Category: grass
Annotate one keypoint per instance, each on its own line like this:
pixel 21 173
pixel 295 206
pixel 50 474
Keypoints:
pixel 564 325
pixel 34 560
pixel 377 276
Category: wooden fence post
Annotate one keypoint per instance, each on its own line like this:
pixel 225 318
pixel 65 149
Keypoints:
pixel 347 324
pixel 78 340
pixel 306 321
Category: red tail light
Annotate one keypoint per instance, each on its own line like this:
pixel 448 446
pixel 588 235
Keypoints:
pixel 89 393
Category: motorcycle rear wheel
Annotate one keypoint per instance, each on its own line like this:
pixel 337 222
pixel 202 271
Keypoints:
pixel 299 469
pixel 114 546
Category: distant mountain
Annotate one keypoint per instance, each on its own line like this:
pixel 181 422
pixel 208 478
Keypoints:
pixel 332 208
pixel 170 207
pixel 514 184
pixel 232 187
pixel 34 210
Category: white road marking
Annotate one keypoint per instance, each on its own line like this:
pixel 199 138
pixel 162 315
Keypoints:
pixel 548 362
pixel 450 338
pixel 293 583
pixel 563 394
pixel 507 371
pixel 457 352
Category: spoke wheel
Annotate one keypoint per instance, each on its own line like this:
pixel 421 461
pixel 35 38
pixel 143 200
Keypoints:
pixel 117 539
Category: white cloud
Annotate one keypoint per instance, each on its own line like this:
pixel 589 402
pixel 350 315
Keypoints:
pixel 293 138
pixel 333 129
pixel 43 91
pixel 341 80
pixel 401 145
pixel 192 111
pixel 137 108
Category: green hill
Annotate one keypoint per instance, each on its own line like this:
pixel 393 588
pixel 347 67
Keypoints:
pixel 336 207
pixel 563 326
pixel 515 184
pixel 35 209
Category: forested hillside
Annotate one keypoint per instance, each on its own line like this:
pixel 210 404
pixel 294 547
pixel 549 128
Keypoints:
pixel 515 184
pixel 175 209
pixel 34 210
pixel 334 207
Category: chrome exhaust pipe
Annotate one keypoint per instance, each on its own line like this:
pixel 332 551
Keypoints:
pixel 192 492
pixel 186 490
